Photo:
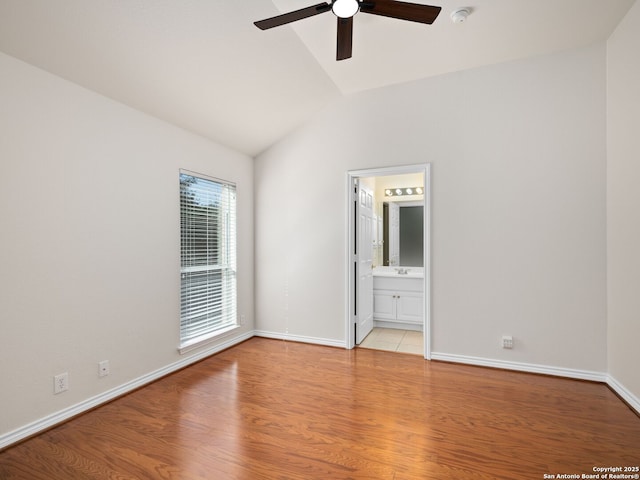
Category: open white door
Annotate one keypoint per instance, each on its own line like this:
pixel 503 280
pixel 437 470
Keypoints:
pixel 364 261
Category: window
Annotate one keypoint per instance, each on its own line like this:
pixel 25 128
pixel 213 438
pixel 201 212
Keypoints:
pixel 207 258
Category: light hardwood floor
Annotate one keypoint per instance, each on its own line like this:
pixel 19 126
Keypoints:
pixel 269 409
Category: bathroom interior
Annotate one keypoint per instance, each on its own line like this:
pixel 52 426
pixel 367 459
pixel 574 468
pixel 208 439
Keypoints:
pixel 397 263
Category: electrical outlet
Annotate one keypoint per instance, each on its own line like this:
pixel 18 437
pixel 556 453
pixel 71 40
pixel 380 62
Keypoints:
pixel 507 341
pixel 242 319
pixel 61 383
pixel 103 368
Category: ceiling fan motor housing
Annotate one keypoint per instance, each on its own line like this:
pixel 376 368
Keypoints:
pixel 345 8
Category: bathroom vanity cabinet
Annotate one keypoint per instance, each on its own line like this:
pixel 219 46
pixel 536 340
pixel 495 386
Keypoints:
pixel 398 299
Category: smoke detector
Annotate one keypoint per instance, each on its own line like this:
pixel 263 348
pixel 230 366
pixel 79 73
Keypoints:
pixel 460 15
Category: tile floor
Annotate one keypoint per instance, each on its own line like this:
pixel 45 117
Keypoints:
pixel 404 341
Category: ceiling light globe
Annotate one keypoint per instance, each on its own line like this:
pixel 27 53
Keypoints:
pixel 398 191
pixel 345 8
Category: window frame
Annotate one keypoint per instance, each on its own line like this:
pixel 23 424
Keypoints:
pixel 196 286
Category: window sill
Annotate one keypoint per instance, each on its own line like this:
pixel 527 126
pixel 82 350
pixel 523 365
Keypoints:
pixel 206 339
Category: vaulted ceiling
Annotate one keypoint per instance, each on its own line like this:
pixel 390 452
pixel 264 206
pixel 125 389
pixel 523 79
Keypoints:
pixel 204 66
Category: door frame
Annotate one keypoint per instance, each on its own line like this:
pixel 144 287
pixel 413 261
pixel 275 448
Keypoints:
pixel 425 169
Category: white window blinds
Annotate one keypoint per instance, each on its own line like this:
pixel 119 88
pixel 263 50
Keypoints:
pixel 208 257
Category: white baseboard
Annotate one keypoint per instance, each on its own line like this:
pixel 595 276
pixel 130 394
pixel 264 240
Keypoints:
pixel 522 367
pixel 630 398
pixel 69 412
pixel 299 338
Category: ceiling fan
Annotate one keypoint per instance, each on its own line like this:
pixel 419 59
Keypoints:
pixel 345 10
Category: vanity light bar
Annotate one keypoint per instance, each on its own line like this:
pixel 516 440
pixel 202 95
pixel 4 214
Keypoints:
pixel 398 192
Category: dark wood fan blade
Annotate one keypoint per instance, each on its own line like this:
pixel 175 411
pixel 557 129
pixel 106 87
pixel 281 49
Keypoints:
pixel 293 16
pixel 345 38
pixel 402 10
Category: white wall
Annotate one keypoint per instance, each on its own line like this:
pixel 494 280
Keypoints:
pixel 89 250
pixel 623 202
pixel 518 221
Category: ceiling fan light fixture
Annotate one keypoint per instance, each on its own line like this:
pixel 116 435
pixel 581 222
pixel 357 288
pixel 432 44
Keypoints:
pixel 345 8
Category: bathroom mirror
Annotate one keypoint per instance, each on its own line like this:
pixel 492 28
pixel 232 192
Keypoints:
pixel 403 231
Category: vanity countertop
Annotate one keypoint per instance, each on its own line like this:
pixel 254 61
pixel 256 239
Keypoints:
pixel 399 272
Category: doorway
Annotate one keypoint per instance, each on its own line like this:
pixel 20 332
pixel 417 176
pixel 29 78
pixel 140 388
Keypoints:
pixel 402 292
